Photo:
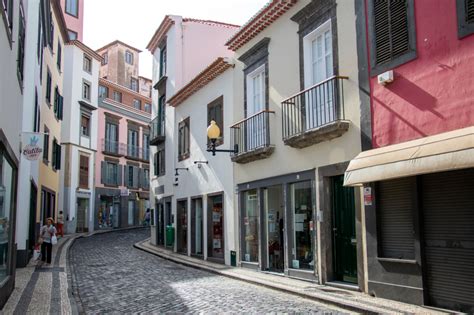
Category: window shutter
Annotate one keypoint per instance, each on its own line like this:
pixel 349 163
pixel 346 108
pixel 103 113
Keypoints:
pixel 102 172
pixel 126 176
pixel 119 175
pixel 58 156
pixel 60 107
pixel 155 164
pixel 391 29
pixel 135 177
pixel 469 11
pixel 141 180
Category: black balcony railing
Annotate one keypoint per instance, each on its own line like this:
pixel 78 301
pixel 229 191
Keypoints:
pixel 112 147
pixel 314 107
pixel 252 137
pixel 157 134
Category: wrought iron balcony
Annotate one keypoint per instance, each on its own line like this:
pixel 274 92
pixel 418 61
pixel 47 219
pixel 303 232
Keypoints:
pixel 252 137
pixel 315 114
pixel 157 134
pixel 111 147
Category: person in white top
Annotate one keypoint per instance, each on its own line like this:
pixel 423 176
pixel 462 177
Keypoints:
pixel 46 233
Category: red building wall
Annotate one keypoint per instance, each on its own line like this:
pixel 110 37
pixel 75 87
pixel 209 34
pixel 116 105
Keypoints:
pixel 433 93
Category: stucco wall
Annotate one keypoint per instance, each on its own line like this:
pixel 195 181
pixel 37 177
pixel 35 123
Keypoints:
pixel 73 23
pixel 433 93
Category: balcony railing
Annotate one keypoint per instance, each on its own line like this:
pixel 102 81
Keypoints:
pixel 122 149
pixel 252 137
pixel 112 147
pixel 315 114
pixel 157 134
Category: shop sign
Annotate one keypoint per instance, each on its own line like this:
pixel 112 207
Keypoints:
pixel 32 145
pixel 367 196
pixel 124 192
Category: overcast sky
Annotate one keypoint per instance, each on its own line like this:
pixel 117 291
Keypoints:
pixel 135 21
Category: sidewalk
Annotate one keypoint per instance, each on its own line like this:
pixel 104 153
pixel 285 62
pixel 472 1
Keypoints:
pixel 350 300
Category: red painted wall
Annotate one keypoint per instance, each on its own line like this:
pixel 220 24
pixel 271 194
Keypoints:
pixel 433 93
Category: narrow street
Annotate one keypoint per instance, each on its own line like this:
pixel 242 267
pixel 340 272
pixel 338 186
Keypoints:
pixel 112 276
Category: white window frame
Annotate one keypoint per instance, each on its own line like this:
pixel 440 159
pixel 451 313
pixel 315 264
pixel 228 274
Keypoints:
pixel 308 62
pixel 250 91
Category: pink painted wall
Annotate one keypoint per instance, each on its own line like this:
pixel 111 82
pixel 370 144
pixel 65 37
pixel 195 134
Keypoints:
pixel 200 50
pixel 123 133
pixel 73 23
pixel 433 93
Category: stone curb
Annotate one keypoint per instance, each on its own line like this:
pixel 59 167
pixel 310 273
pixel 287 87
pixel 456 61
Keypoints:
pixel 346 306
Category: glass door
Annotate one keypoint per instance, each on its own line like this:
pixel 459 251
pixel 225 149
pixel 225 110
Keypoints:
pixel 250 226
pixel 197 227
pixel 216 227
pixel 274 227
pixel 182 226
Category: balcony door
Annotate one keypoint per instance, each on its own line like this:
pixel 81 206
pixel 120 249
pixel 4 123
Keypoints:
pixel 318 60
pixel 132 143
pixel 111 138
pixel 255 125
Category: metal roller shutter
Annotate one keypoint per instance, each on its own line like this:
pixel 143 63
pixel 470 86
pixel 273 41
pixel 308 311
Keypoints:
pixel 448 213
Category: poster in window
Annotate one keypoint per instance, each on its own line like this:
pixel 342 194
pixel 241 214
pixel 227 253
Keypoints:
pixel 216 243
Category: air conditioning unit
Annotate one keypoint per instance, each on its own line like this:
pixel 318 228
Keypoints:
pixel 385 78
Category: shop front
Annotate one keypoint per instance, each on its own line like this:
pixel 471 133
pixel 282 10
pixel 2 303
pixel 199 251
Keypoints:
pixel 277 225
pixel 182 226
pixel 197 227
pixel 215 228
pixel 108 210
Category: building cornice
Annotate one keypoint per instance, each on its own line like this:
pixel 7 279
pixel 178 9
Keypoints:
pixel 85 49
pixel 123 112
pixel 160 33
pixel 124 89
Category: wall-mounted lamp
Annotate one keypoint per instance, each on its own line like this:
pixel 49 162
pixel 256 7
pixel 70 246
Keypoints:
pixel 179 169
pixel 199 163
pixel 213 133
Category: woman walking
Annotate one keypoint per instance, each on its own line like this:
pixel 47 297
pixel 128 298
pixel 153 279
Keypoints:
pixel 47 232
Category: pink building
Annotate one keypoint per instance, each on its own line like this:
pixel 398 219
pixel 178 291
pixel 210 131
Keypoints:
pixel 73 11
pixel 122 164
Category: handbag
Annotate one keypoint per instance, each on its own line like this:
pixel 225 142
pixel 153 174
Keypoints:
pixel 54 240
pixel 40 240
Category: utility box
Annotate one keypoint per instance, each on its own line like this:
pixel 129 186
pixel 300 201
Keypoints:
pixel 169 235
pixel 233 258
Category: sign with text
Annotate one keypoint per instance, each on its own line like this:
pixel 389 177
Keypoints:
pixel 32 145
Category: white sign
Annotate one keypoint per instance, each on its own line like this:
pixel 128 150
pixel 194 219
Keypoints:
pixel 32 145
pixel 124 192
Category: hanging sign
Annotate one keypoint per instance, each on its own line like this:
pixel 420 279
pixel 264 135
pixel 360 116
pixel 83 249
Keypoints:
pixel 32 145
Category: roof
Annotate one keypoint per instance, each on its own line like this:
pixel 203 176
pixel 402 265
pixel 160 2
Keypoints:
pixel 260 21
pixel 121 43
pixel 168 21
pixel 124 89
pixel 202 79
pixel 85 48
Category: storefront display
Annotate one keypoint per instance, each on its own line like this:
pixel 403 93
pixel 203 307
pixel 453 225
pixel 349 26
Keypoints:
pixel 301 206
pixel 182 226
pixel 7 181
pixel 250 226
pixel 274 225
pixel 217 227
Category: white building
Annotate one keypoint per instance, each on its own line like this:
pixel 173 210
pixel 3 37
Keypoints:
pixel 79 136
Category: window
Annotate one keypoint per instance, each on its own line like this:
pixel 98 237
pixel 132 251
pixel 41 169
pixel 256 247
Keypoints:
pixel 87 64
pixel 256 102
pixel 134 84
pixel 72 7
pixel 117 96
pixel 84 171
pixel 58 104
pixel 250 226
pixel 48 87
pixel 36 122
pixel 111 137
pixel 105 59
pixel 392 32
pixel 103 91
pixel 51 31
pixel 85 123
pixel 159 162
pixel 145 178
pixel 46 145
pixel 163 61
pixel 133 143
pixel 465 13
pixel 8 9
pixel 130 176
pixel 183 140
pixel 20 63
pixel 86 91
pixel 59 55
pixel 56 160
pixel 137 104
pixel 129 57
pixel 215 111
pixel 72 35
pixel 39 45
pixel 111 173
pixel 395 209
pixel 146 146
pixel 147 108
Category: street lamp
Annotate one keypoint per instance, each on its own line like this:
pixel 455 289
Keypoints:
pixel 213 133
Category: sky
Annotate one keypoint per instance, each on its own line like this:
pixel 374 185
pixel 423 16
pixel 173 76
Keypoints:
pixel 135 21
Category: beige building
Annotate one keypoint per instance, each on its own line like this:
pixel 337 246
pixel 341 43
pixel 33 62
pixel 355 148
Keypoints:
pixel 51 115
pixel 297 126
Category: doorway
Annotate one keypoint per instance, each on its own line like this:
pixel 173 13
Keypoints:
pixel 131 212
pixel 216 242
pixel 168 221
pixel 32 222
pixel 274 227
pixel 82 215
pixel 197 235
pixel 160 224
pixel 344 232
pixel 182 226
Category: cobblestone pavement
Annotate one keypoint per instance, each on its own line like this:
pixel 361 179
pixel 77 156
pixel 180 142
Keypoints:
pixel 112 276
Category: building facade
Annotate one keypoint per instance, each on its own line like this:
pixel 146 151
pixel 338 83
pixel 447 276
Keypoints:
pixel 122 163
pixel 417 180
pixel 73 11
pixel 79 136
pixel 182 48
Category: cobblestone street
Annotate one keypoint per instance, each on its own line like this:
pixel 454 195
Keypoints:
pixel 112 276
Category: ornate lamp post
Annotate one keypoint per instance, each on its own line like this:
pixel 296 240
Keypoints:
pixel 213 133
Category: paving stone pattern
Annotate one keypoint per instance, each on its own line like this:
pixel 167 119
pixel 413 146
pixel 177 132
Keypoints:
pixel 112 276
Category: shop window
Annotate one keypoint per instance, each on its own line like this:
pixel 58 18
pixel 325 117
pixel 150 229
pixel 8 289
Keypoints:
pixel 84 171
pixel 216 226
pixel 395 208
pixel 392 32
pixel 303 237
pixel 183 140
pixel 250 226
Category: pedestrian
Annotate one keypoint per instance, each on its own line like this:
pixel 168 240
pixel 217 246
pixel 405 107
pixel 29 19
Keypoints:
pixel 147 217
pixel 47 232
pixel 60 223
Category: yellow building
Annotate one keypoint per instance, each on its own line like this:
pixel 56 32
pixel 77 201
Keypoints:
pixel 51 114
